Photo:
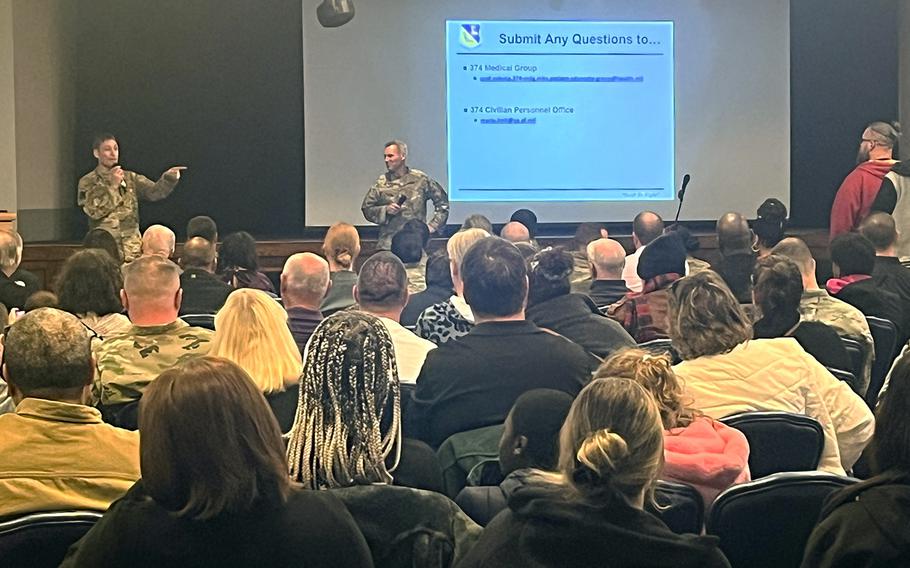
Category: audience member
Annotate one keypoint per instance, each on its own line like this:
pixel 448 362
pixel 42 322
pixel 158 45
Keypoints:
pixel 817 305
pixel 304 284
pixel 407 245
pixel 776 292
pixel 157 340
pixel 607 259
pixel 41 299
pixel 527 218
pixel 203 292
pixel 160 240
pixel 16 284
pixel 888 273
pixel 551 305
pixel 347 437
pixel 725 373
pixel 611 452
pixel 239 263
pixel 515 232
pixel 202 226
pixel 102 239
pixel 382 290
pixel 646 227
pixel 698 451
pixel 55 452
pixel 769 225
pixel 529 445
pixel 473 381
pixel 585 234
pixel 477 221
pixel 891 199
pixel 735 240
pixel 341 249
pixel 449 320
pixel 439 289
pixel 215 489
pixel 645 314
pixel 251 330
pixel 693 264
pixel 88 287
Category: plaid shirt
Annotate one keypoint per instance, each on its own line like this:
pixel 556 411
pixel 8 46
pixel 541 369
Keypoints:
pixel 646 314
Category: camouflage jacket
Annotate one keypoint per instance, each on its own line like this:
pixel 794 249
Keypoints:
pixel 417 187
pixel 127 363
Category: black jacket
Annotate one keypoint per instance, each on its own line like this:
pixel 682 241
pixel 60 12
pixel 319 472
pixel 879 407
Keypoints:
pixel 16 288
pixel 892 276
pixel 816 339
pixel 203 292
pixel 735 268
pixel 607 292
pixel 874 301
pixel 576 317
pixel 421 301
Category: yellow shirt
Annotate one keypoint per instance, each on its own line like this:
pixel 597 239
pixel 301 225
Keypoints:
pixel 57 456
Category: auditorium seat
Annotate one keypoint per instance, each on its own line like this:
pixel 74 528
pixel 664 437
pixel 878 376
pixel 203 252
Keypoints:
pixel 660 347
pixel 855 351
pixel 680 506
pixel 206 321
pixel 845 376
pixel 779 441
pixel 41 540
pixel 884 336
pixel 462 452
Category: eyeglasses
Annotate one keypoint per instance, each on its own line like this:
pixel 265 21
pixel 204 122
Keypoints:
pixel 869 140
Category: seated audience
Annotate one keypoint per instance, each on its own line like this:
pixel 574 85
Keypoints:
pixel 203 292
pixel 55 452
pixel 347 438
pixel 407 245
pixel 698 451
pixel 439 288
pixel 585 234
pixel 239 263
pixel 304 283
pixel 776 290
pixel 646 227
pixel 160 240
pixel 607 259
pixel 473 381
pixel 529 445
pixel 101 239
pixel 251 330
pixel 477 221
pixel 865 524
pixel 693 264
pixel 202 226
pixel 41 299
pixel 645 314
pixel 515 232
pixel 817 305
pixel 888 272
pixel 449 320
pixel 341 249
pixel 769 226
pixel 215 489
pixel 382 290
pixel 529 219
pixel 88 287
pixel 610 455
pixel 725 371
pixel 735 240
pixel 552 306
pixel 16 284
pixel 157 340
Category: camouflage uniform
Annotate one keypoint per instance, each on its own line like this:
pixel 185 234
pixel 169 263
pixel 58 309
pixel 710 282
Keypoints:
pixel 116 209
pixel 818 305
pixel 127 363
pixel 417 187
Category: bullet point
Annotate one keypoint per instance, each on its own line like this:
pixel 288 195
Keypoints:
pixel 466 110
pixel 475 78
pixel 475 120
pixel 464 68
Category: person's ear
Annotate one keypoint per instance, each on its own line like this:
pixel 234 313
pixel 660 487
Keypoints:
pixel 96 154
pixel 178 299
pixel 519 445
pixel 327 288
pixel 356 293
pixel 125 300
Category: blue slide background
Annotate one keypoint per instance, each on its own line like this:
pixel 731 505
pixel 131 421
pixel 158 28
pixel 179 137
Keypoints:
pixel 616 144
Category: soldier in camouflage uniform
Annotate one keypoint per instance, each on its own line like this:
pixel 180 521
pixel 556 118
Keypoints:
pixel 110 195
pixel 381 204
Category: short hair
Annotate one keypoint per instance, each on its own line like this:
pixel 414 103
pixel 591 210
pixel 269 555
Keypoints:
pixel 890 445
pixel 548 275
pixel 647 226
pixel 880 229
pixel 419 227
pixel 238 250
pixel 151 277
pixel 459 243
pixel 202 477
pixel 771 222
pixel 251 330
pixel 612 444
pixel 777 286
pixel 515 232
pixel 48 349
pixel 10 249
pixel 733 233
pixel 886 134
pixel 853 254
pixel 101 239
pixel 606 264
pixel 383 281
pixel 538 415
pixel 477 221
pixel 348 420
pixel 495 278
pixel 587 233
pixel 342 244
pixel 101 138
pixel 527 218
pixel 158 239
pixel 407 246
pixel 202 226
pixel 797 251
pixel 90 282
pixel 303 282
pixel 705 317
pixel 197 252
pixel 41 299
pixel 402 147
pixel 438 273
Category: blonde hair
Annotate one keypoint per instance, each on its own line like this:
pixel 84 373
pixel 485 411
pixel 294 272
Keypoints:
pixel 460 242
pixel 252 331
pixel 342 244
pixel 655 374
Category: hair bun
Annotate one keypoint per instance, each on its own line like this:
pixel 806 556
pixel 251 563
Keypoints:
pixel 602 453
pixel 897 128
pixel 553 264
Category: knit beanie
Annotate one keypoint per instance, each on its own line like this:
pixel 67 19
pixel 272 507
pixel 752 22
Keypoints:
pixel 664 255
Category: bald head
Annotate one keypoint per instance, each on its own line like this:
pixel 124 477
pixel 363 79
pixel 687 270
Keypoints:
pixel 646 227
pixel 608 259
pixel 198 253
pixel 10 250
pixel 515 232
pixel 151 290
pixel 797 251
pixel 881 231
pixel 733 233
pixel 304 281
pixel 158 240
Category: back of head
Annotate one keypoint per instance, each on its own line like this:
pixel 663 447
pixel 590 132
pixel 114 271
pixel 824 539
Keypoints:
pixel 655 374
pixel 419 227
pixel 150 280
pixel 477 221
pixel 685 236
pixel 342 245
pixel 548 275
pixel 777 286
pixel 304 280
pixel 880 229
pixel 438 273
pixel 515 232
pixel 527 218
pixel 608 258
pixel 103 240
pixel 239 251
pixel 587 233
pixel 885 134
pixel 382 282
pixel 160 240
pixel 665 255
pixel 198 253
pixel 733 233
pixel 495 278
pixel 647 226
pixel 538 415
pixel 797 251
pixel 705 317
pixel 611 445
pixel 204 477
pixel 771 222
pixel 41 299
pixel 342 433
pixel 202 226
pixel 10 250
pixel 47 353
pixel 407 245
pixel 459 243
pixel 90 282
pixel 852 253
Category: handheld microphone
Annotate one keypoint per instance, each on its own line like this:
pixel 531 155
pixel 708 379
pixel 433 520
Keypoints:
pixel 681 194
pixel 402 199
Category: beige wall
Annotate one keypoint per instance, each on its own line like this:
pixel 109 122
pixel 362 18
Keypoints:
pixel 904 92
pixel 7 109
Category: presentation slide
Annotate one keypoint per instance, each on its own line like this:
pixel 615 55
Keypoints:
pixel 556 111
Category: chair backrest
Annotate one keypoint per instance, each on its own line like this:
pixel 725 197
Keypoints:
pixel 779 441
pixel 884 336
pixel 845 376
pixel 461 452
pixel 660 347
pixel 767 522
pixel 855 351
pixel 406 395
pixel 680 506
pixel 42 539
pixel 200 320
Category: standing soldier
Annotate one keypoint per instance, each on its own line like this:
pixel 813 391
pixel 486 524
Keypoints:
pixel 110 195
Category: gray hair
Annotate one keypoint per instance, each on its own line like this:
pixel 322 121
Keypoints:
pixel 10 249
pixel 303 280
pixel 402 147
pixel 159 240
pixel 886 134
pixel 48 349
pixel 151 277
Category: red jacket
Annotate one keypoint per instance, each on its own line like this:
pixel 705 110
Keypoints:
pixel 855 196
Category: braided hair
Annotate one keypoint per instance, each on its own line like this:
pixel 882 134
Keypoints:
pixel 348 391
